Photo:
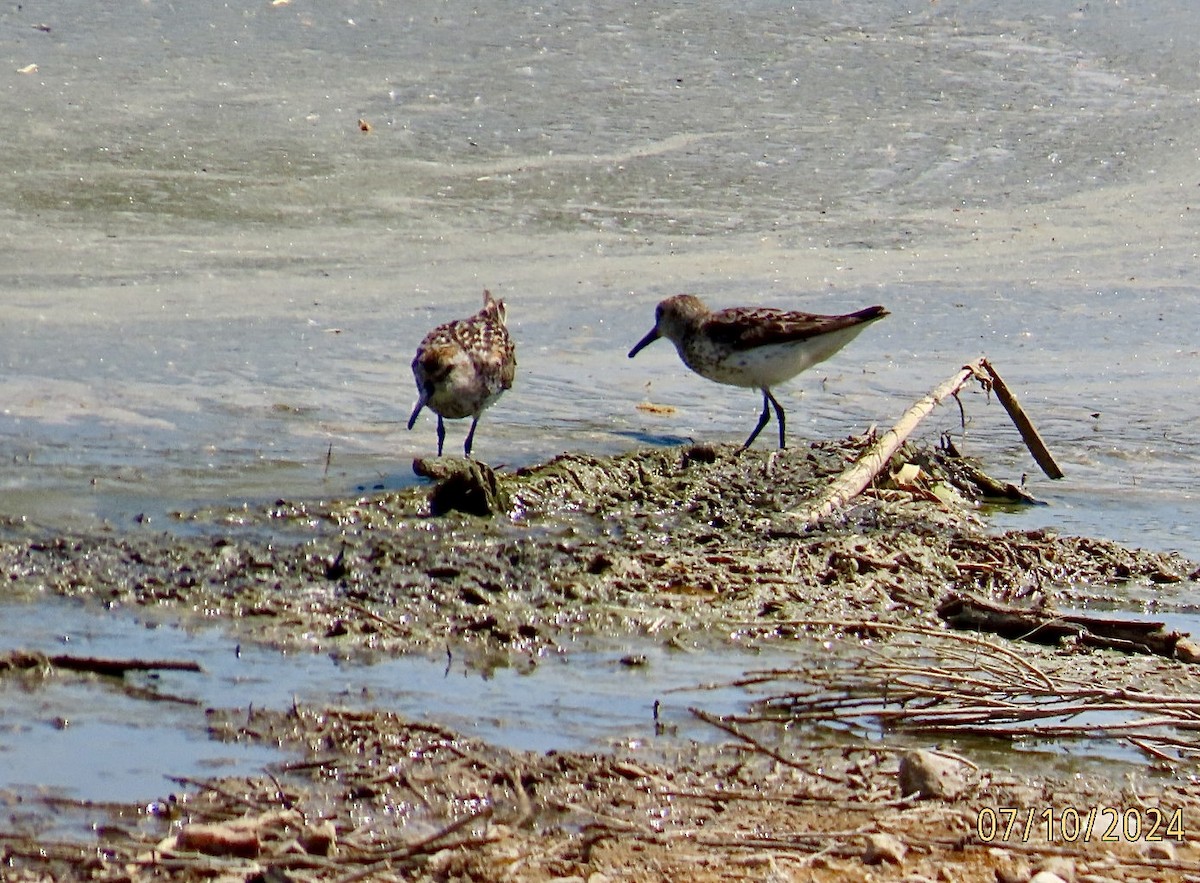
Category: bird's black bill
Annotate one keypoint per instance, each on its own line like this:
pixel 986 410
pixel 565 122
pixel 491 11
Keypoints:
pixel 644 342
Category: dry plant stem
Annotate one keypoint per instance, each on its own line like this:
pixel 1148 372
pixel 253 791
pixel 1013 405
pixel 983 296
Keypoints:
pixel 1021 420
pixel 855 478
pixel 792 842
pixel 721 724
pixel 921 687
pixel 374 617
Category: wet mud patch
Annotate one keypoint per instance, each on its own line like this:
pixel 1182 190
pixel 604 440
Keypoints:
pixel 680 544
pixel 370 795
pixel 691 547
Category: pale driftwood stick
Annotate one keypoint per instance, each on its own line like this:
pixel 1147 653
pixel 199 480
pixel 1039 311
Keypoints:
pixel 1021 420
pixel 860 474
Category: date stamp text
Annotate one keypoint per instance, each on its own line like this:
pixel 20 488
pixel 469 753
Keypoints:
pixel 1069 824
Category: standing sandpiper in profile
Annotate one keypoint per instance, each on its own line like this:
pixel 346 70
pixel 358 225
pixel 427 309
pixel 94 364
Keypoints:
pixel 463 366
pixel 757 347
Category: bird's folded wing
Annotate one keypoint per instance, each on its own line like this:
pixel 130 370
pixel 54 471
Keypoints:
pixel 762 327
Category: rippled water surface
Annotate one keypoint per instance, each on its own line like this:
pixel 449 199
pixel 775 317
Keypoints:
pixel 212 279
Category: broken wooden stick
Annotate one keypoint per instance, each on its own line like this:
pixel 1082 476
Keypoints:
pixel 24 659
pixel 856 477
pixel 1049 627
pixel 1021 420
pixel 862 472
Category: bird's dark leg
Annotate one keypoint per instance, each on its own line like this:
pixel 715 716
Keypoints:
pixel 441 434
pixel 762 419
pixel 412 421
pixel 470 436
pixel 778 415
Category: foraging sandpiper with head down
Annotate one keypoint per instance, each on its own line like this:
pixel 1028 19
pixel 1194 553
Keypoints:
pixel 756 347
pixel 462 367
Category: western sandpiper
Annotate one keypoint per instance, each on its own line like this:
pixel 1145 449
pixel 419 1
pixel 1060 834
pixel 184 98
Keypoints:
pixel 757 347
pixel 463 366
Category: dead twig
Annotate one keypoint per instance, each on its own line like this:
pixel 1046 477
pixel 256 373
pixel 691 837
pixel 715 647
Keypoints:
pixel 1029 434
pixel 27 659
pixel 930 684
pixel 863 471
pixel 859 475
pixel 721 724
pixel 855 626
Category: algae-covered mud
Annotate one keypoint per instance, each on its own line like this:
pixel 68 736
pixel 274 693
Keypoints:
pixel 685 542
pixel 682 546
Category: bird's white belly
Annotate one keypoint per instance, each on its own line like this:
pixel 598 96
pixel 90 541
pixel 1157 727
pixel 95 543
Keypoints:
pixel 763 366
pixel 456 402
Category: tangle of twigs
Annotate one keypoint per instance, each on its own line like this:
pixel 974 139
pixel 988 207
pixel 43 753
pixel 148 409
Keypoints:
pixel 928 681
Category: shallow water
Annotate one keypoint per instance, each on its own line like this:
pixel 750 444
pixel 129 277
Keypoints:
pixel 78 738
pixel 212 280
pixel 91 739
pixel 211 275
pixel 96 739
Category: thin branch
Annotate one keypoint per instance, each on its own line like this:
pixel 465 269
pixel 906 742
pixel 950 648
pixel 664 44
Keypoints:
pixel 863 471
pixel 720 724
pixel 1021 420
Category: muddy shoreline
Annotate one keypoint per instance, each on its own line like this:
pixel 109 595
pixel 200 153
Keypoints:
pixel 695 546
